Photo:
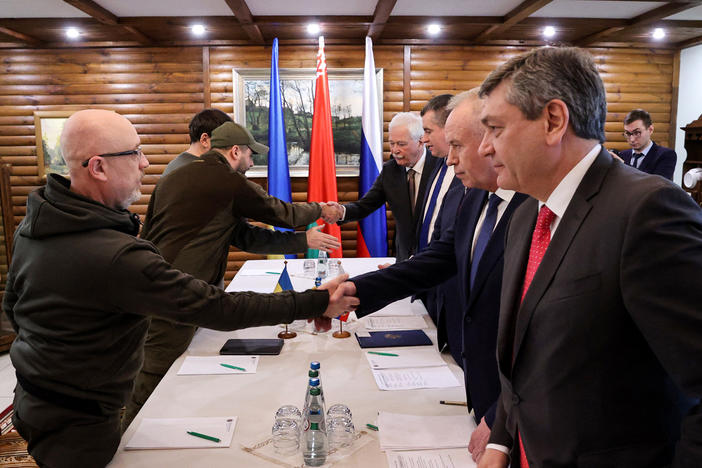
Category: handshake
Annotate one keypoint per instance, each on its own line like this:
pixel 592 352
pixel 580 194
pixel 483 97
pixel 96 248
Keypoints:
pixel 332 212
pixel 342 296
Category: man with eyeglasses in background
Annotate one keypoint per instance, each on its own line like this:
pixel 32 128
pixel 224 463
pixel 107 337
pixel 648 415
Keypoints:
pixel 645 155
pixel 82 286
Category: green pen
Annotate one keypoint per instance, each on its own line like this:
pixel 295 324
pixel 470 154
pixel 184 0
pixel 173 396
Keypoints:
pixel 203 436
pixel 383 354
pixel 272 273
pixel 232 367
pixel 372 427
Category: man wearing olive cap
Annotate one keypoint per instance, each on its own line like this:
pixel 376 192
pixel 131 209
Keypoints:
pixel 195 213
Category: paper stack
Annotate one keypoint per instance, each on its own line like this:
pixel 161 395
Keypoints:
pixel 410 368
pixel 409 432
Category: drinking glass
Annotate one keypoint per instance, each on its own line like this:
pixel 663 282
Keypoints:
pixel 338 409
pixel 340 432
pixel 286 436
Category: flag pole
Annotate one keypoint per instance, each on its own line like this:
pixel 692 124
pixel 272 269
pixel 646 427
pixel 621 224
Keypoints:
pixel 286 334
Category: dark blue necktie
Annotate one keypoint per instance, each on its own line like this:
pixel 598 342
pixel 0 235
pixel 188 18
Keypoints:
pixel 484 235
pixel 635 159
pixel 424 233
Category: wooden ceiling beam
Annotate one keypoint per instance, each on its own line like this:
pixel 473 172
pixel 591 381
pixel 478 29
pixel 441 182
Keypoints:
pixel 96 11
pixel 380 16
pixel 243 16
pixel 642 20
pixel 22 37
pixel 108 18
pixel 690 42
pixel 521 12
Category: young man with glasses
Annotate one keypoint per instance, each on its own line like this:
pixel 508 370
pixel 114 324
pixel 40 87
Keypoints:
pixel 644 154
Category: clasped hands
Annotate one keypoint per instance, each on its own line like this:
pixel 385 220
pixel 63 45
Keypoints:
pixel 331 212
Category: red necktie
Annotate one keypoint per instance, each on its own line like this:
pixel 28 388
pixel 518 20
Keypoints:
pixel 539 243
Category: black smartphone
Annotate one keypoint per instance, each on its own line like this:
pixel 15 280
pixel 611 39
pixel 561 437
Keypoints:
pixel 263 346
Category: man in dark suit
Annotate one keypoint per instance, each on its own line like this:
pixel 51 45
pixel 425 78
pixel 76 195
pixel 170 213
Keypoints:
pixel 442 300
pixel 600 322
pixel 401 184
pixel 472 249
pixel 644 154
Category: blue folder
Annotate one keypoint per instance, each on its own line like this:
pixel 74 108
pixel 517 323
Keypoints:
pixel 383 339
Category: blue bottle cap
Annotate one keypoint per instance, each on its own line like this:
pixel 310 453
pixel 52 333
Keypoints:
pixel 314 365
pixel 314 382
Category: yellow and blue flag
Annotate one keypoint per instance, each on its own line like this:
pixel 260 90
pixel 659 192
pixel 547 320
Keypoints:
pixel 284 283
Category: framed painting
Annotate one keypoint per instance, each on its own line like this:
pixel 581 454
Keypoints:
pixel 251 100
pixel 48 126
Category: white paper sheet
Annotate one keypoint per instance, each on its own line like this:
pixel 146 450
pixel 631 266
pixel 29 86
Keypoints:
pixel 405 322
pixel 407 357
pixel 410 432
pixel 257 272
pixel 409 379
pixel 403 307
pixel 171 433
pixel 452 458
pixel 212 365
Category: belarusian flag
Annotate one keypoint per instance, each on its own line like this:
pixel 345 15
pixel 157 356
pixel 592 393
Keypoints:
pixel 321 185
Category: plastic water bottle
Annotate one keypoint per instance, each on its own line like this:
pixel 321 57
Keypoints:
pixel 314 440
pixel 322 264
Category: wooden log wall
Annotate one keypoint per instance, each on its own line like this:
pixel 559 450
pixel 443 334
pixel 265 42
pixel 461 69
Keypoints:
pixel 159 90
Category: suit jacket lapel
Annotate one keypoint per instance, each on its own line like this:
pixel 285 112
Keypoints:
pixel 466 219
pixel 495 248
pixel 430 163
pixel 568 227
pixel 650 159
pixel 515 260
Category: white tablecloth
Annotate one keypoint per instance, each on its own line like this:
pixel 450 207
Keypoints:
pixel 280 380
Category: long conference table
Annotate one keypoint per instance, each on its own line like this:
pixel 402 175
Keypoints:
pixel 280 380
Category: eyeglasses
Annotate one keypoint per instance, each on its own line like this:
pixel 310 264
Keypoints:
pixel 137 151
pixel 635 133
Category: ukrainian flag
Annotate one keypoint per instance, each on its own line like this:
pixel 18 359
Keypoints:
pixel 284 283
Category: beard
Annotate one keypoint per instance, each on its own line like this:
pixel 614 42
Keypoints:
pixel 134 196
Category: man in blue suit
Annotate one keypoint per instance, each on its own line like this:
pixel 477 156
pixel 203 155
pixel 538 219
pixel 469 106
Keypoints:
pixel 472 249
pixel 440 207
pixel 645 155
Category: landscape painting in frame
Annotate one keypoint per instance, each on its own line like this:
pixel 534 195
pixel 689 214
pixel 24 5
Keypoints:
pixel 48 126
pixel 251 101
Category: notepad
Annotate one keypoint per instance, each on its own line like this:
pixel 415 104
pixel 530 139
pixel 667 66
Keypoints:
pixel 404 322
pixel 212 365
pixel 406 358
pixel 410 379
pixel 172 433
pixel 414 432
pixel 448 458
pixel 258 272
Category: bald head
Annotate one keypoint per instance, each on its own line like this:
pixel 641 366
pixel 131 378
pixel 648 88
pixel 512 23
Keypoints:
pixel 95 131
pixel 464 133
pixel 101 149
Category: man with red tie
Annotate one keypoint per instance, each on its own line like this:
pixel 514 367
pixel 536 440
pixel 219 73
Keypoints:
pixel 600 327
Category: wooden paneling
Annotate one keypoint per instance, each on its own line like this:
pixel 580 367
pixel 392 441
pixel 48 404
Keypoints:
pixel 160 88
pixel 633 78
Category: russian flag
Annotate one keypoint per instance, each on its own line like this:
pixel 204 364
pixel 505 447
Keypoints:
pixel 372 230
